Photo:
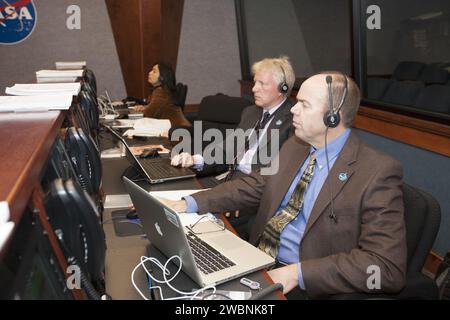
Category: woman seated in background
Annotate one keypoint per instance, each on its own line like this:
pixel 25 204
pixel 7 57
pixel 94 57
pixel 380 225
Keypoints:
pixel 163 98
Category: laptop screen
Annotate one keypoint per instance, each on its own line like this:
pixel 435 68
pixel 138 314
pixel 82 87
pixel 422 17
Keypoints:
pixel 129 155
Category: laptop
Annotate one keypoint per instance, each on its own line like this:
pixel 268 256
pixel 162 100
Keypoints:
pixel 156 170
pixel 208 258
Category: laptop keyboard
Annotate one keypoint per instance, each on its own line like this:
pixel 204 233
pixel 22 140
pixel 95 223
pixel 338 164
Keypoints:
pixel 207 258
pixel 160 170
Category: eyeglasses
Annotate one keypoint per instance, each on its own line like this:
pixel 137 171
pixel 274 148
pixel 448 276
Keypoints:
pixel 216 225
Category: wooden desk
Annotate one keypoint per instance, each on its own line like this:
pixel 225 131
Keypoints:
pixel 25 143
pixel 124 253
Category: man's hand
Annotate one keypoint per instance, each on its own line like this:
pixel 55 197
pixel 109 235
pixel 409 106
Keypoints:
pixel 184 159
pixel 287 276
pixel 139 108
pixel 178 206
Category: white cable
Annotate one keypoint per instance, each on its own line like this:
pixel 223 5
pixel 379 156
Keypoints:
pixel 185 295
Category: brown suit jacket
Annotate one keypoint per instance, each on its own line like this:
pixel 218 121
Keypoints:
pixel 161 107
pixel 370 229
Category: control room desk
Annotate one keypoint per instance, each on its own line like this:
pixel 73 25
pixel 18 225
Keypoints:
pixel 124 253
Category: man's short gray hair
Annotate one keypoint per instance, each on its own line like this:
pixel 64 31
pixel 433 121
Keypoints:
pixel 281 68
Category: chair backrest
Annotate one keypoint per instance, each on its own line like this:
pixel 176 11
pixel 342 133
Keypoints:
pixel 85 159
pixel 433 74
pixel 408 70
pixel 403 92
pixel 89 77
pixel 422 218
pixel 377 87
pixel 434 98
pixel 72 212
pixel 221 108
pixel 181 93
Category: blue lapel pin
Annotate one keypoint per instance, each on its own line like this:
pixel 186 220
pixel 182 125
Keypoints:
pixel 343 176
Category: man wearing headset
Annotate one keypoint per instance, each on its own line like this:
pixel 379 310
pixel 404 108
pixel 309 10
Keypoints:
pixel 273 82
pixel 332 215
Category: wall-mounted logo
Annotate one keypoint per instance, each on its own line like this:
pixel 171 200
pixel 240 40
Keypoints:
pixel 17 20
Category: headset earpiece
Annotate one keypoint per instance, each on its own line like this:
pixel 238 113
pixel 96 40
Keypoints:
pixel 283 87
pixel 331 119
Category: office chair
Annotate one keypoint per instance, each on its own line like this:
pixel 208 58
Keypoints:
pixel 76 222
pixel 422 215
pixel 218 111
pixel 403 92
pixel 85 160
pixel 90 108
pixel 434 98
pixel 181 93
pixel 89 77
pixel 408 70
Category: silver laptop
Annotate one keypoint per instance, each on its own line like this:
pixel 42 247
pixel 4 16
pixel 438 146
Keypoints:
pixel 156 170
pixel 225 256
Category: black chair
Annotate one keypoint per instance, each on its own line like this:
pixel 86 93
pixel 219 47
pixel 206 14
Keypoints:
pixel 85 159
pixel 377 87
pixel 434 98
pixel 218 111
pixel 181 93
pixel 403 92
pixel 422 218
pixel 408 70
pixel 433 74
pixel 89 77
pixel 76 222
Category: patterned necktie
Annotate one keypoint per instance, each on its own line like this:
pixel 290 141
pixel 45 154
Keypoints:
pixel 270 239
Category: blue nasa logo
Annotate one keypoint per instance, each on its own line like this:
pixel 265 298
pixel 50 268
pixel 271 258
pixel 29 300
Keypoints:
pixel 17 20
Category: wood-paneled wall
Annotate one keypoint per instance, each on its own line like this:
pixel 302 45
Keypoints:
pixel 146 32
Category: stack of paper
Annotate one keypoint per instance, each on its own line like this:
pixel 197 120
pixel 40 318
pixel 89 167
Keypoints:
pixel 70 65
pixel 44 89
pixel 35 103
pixel 148 127
pixel 58 75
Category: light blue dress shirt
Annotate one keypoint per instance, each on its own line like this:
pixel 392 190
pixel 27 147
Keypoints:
pixel 292 235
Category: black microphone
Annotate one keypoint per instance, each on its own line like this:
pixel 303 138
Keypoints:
pixel 329 80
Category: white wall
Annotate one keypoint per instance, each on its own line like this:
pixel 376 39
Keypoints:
pixel 52 41
pixel 208 57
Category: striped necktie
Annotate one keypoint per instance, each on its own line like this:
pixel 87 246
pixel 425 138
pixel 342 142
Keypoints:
pixel 270 239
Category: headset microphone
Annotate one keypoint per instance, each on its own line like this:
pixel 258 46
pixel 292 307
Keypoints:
pixel 331 118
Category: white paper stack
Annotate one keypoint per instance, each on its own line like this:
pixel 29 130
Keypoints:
pixel 70 65
pixel 44 76
pixel 44 89
pixel 149 127
pixel 35 103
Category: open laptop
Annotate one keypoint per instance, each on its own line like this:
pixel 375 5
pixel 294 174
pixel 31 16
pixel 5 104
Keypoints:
pixel 225 256
pixel 156 170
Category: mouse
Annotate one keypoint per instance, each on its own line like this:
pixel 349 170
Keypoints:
pixel 149 153
pixel 132 214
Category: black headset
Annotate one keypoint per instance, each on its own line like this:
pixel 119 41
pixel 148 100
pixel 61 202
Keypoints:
pixel 332 118
pixel 283 87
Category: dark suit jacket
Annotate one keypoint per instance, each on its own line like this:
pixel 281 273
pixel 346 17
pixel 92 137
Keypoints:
pixel 282 121
pixel 370 230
